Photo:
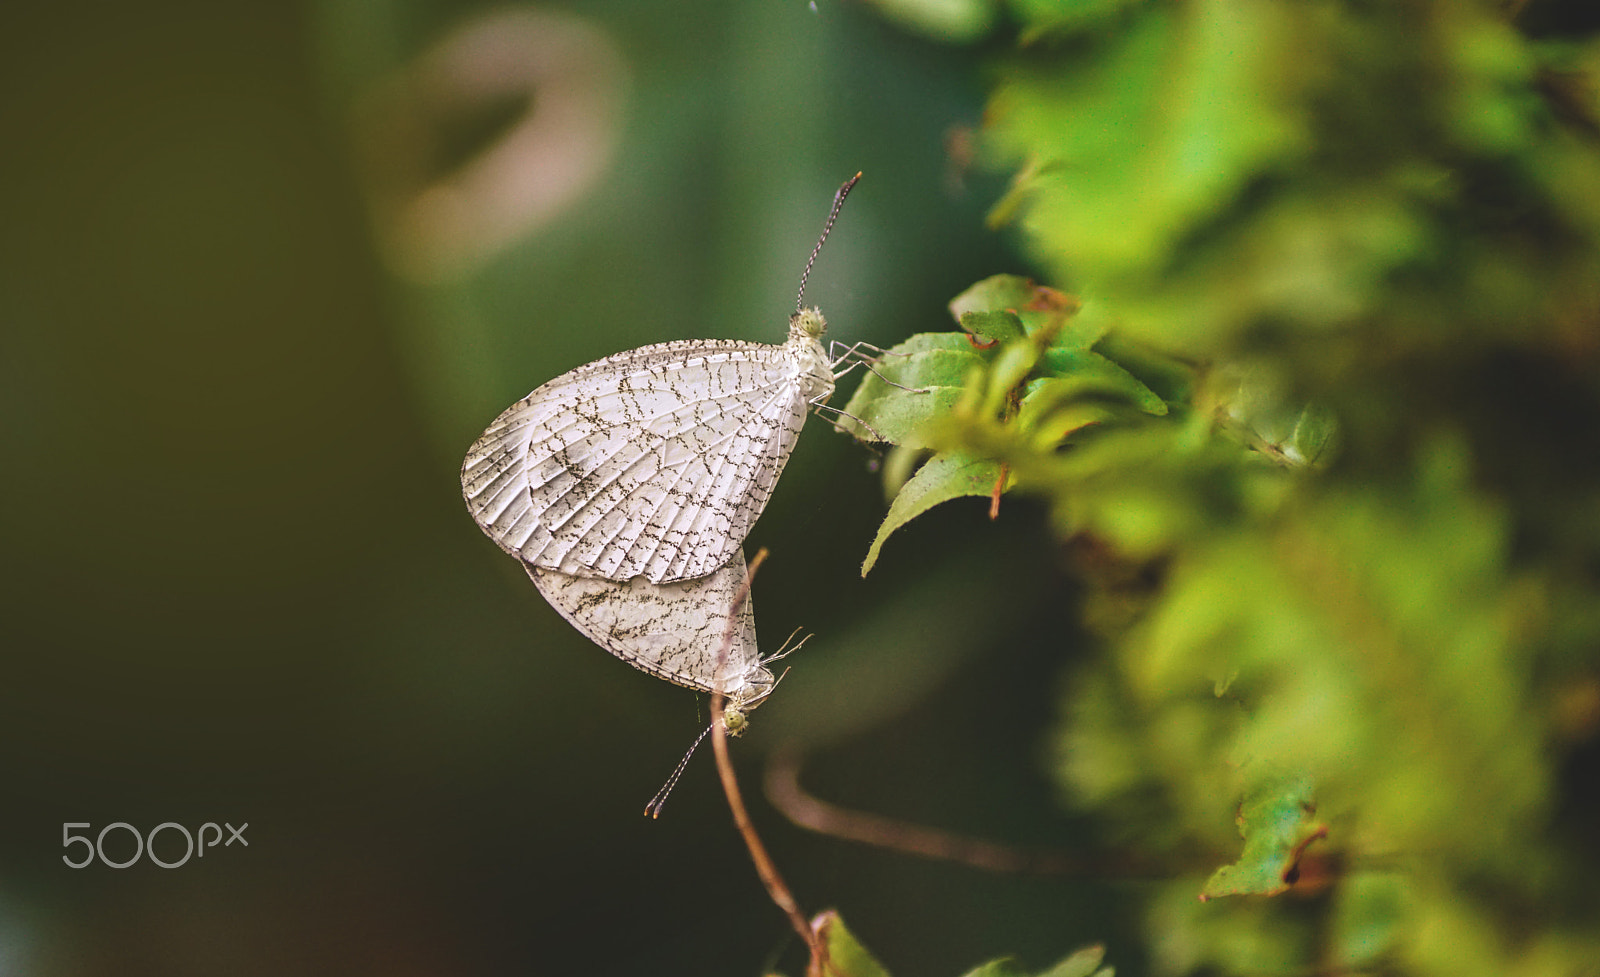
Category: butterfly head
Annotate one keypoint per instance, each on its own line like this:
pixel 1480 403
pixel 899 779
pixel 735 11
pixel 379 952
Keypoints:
pixel 807 324
pixel 758 684
pixel 735 720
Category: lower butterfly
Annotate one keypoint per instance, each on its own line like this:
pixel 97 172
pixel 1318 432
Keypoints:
pixel 696 633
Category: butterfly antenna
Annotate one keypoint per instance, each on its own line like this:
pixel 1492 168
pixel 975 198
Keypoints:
pixel 657 802
pixel 833 215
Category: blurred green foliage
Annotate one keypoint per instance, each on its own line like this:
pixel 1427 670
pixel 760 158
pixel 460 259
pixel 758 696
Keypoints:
pixel 1321 444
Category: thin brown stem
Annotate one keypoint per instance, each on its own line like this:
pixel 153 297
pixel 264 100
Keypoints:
pixel 777 889
pixel 999 487
pixel 782 783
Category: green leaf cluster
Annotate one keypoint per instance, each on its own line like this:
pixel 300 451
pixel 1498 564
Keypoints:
pixel 1023 370
pixel 1321 439
pixel 848 958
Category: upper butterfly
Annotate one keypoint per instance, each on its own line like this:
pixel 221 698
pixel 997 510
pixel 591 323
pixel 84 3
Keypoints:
pixel 654 462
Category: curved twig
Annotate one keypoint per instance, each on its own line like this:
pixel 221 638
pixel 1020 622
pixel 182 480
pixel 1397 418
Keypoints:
pixel 782 785
pixel 777 889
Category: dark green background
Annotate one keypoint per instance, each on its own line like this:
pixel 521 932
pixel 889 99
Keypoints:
pixel 240 585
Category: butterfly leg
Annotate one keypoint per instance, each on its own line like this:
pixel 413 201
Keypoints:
pixel 859 359
pixel 819 407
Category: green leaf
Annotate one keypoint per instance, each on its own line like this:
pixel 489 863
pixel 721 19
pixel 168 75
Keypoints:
pixel 899 465
pixel 997 293
pixel 1079 328
pixel 1169 377
pixel 928 342
pixel 1004 967
pixel 1080 373
pixel 944 477
pixel 1000 326
pixel 1011 367
pixel 898 417
pixel 931 370
pixel 1277 823
pixel 1007 307
pixel 1047 421
pixel 925 378
pixel 1082 963
pixel 1314 431
pixel 846 956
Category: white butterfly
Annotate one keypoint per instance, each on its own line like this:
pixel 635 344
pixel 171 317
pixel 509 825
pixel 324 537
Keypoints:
pixel 674 631
pixel 655 462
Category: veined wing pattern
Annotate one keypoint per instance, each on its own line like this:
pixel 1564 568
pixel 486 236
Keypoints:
pixel 653 462
pixel 673 631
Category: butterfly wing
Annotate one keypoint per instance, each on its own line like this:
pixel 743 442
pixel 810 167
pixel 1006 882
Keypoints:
pixel 673 631
pixel 653 462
